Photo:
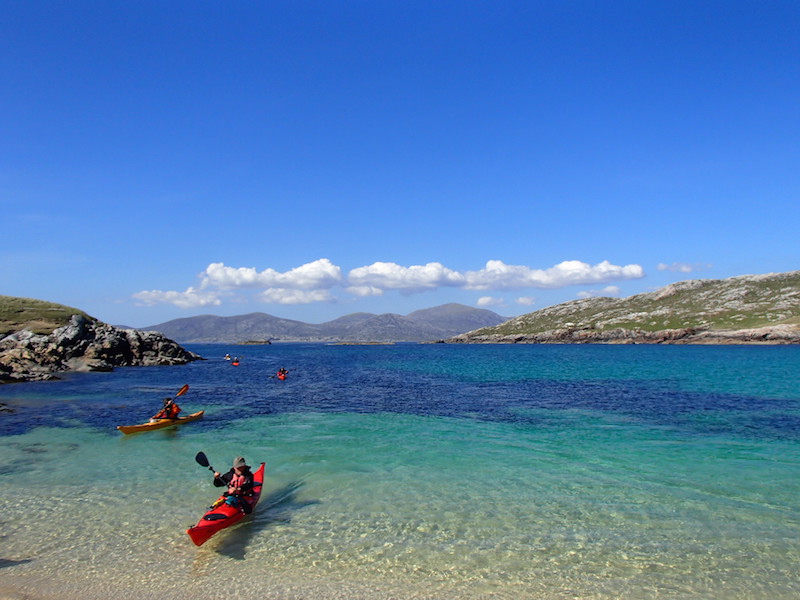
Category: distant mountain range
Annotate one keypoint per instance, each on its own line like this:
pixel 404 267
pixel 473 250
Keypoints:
pixel 429 324
pixel 739 310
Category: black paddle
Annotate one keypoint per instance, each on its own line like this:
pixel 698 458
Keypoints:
pixel 202 460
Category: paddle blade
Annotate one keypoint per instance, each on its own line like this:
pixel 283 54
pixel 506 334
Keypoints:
pixel 183 390
pixel 201 459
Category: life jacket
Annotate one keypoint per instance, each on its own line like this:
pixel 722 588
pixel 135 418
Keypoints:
pixel 238 481
pixel 168 412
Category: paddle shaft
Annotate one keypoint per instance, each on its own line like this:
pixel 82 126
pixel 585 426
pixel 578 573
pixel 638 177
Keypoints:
pixel 202 460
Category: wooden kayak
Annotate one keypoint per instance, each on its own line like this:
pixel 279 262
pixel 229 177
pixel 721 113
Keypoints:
pixel 225 515
pixel 159 424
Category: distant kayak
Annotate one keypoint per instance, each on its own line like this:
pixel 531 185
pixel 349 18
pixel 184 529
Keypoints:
pixel 159 424
pixel 281 376
pixel 235 363
pixel 225 515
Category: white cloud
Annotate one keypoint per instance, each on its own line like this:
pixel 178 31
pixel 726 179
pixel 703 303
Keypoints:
pixel 364 290
pixel 417 278
pixel 526 300
pixel 489 301
pixel 609 290
pixel 677 267
pixel 499 276
pixel 320 274
pixel 191 298
pixel 313 282
pixel 284 296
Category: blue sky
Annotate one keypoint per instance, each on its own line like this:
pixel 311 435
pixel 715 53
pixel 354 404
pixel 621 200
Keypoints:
pixel 308 159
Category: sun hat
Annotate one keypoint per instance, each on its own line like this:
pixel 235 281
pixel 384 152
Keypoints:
pixel 239 461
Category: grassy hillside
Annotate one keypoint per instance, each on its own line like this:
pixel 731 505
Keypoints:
pixel 35 315
pixel 737 303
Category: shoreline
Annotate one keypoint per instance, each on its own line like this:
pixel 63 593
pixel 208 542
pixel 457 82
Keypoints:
pixel 779 335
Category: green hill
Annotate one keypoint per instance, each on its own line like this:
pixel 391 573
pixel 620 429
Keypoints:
pixel 39 340
pixel 37 316
pixel 695 310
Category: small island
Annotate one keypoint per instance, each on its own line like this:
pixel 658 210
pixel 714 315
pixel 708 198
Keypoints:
pixel 40 339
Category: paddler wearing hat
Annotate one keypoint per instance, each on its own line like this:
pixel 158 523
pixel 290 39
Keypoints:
pixel 239 481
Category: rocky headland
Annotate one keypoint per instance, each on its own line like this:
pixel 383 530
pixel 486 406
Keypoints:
pixel 749 309
pixel 81 344
pixel 686 335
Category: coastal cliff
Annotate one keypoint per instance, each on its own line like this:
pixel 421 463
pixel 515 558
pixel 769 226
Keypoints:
pixel 81 344
pixel 749 309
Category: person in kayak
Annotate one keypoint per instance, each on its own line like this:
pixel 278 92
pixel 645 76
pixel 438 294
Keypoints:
pixel 240 484
pixel 170 410
pixel 282 373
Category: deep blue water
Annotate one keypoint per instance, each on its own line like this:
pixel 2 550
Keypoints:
pixel 416 471
pixel 746 391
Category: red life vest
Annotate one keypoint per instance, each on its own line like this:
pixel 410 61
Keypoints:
pixel 168 412
pixel 238 481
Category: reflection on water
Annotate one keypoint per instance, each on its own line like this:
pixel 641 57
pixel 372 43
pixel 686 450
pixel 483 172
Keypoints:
pixel 274 507
pixel 398 472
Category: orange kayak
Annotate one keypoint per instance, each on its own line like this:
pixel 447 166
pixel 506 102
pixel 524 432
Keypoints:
pixel 159 424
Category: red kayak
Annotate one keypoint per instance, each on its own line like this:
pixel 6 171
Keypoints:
pixel 225 515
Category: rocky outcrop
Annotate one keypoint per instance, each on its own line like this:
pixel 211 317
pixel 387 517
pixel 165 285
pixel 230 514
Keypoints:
pixel 84 345
pixel 779 334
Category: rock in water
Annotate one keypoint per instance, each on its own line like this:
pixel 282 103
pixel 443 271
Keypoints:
pixel 84 345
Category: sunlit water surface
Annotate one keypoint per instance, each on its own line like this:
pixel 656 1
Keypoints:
pixel 415 471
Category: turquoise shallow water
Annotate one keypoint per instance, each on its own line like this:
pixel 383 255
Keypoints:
pixel 416 471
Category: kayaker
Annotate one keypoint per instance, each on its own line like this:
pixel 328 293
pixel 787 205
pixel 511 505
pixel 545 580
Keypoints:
pixel 282 373
pixel 170 410
pixel 240 484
